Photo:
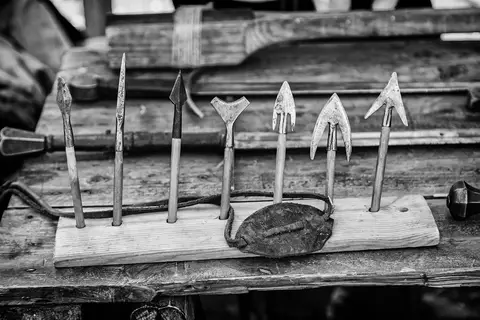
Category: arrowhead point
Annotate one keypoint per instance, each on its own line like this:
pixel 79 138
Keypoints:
pixel 390 95
pixel 64 98
pixel 121 89
pixel 178 96
pixel 334 113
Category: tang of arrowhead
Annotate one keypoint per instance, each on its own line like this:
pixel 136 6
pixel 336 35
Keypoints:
pixel 284 106
pixel 332 113
pixel 391 97
pixel 64 98
pixel 178 96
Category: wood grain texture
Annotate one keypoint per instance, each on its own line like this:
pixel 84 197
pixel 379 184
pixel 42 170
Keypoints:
pixel 404 222
pixel 229 40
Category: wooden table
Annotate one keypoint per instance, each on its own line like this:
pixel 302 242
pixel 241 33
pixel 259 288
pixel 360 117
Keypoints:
pixel 27 275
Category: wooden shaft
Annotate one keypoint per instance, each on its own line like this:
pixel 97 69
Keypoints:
pixel 330 173
pixel 226 183
pixel 75 186
pixel 174 174
pixel 279 168
pixel 380 169
pixel 118 188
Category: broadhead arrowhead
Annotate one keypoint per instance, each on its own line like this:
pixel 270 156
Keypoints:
pixel 284 106
pixel 391 97
pixel 334 113
pixel 178 96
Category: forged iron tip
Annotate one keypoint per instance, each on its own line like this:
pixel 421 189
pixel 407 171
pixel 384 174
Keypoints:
pixel 284 106
pixel 179 96
pixel 229 111
pixel 332 113
pixel 390 97
pixel 64 98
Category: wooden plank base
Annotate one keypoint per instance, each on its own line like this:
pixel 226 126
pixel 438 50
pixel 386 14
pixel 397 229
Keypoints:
pixel 402 222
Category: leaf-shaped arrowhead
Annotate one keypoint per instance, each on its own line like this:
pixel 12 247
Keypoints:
pixel 64 98
pixel 229 111
pixel 334 113
pixel 284 105
pixel 178 96
pixel 390 96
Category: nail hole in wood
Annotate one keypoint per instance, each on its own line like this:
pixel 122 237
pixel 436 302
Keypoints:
pixel 403 209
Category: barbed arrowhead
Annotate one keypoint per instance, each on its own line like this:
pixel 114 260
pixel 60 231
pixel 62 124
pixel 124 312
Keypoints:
pixel 391 97
pixel 178 96
pixel 284 106
pixel 332 113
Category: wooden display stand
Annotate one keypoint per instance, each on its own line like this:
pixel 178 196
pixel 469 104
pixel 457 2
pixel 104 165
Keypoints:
pixel 198 234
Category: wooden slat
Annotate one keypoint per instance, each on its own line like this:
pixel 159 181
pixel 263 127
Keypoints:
pixel 147 40
pixel 402 222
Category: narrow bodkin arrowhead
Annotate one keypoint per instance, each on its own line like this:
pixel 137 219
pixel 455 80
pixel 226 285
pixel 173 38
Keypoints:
pixel 333 113
pixel 64 98
pixel 178 97
pixel 284 106
pixel 391 97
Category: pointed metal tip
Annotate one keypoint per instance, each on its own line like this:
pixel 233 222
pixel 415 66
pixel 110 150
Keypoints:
pixel 390 95
pixel 313 150
pixel 178 96
pixel 64 98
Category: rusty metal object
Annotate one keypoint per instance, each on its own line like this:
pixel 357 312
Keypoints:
pixel 463 200
pixel 282 230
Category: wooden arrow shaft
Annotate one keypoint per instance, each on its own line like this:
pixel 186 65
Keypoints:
pixel 331 154
pixel 380 169
pixel 226 182
pixel 279 168
pixel 174 174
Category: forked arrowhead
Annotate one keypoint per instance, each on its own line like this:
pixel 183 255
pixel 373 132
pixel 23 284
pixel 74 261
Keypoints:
pixel 229 111
pixel 178 96
pixel 284 106
pixel 391 97
pixel 64 98
pixel 334 113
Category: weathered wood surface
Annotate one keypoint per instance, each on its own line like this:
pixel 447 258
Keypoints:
pixel 27 274
pixel 67 312
pixel 228 37
pixel 198 234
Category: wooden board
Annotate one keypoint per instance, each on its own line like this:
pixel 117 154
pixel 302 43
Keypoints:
pixel 403 222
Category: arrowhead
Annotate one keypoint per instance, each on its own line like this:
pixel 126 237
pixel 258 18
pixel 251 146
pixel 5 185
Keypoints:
pixel 229 112
pixel 334 113
pixel 392 98
pixel 178 96
pixel 284 105
pixel 64 98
